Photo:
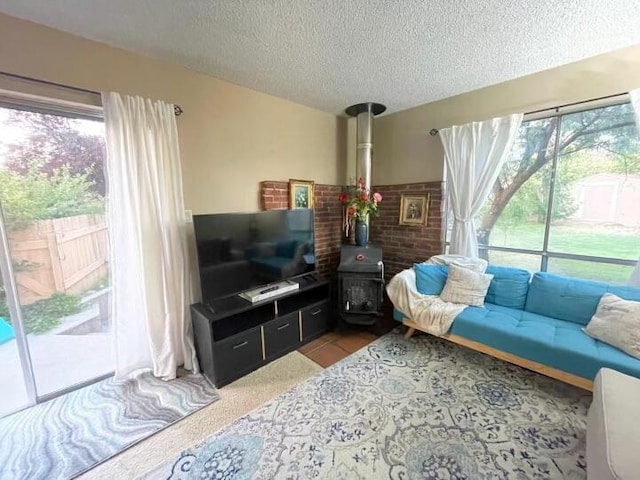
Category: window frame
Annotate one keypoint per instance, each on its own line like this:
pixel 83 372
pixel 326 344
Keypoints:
pixel 50 106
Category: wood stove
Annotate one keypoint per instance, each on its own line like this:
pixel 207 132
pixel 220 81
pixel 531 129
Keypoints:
pixel 360 284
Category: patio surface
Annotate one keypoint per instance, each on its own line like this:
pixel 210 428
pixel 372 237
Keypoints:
pixel 59 361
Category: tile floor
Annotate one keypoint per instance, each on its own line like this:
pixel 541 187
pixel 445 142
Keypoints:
pixel 334 346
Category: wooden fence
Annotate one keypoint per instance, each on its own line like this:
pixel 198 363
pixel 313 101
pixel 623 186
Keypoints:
pixel 59 255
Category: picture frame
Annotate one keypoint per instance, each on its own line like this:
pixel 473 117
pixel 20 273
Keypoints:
pixel 414 210
pixel 301 193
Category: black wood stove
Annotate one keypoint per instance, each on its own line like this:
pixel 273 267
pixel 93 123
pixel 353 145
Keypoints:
pixel 360 284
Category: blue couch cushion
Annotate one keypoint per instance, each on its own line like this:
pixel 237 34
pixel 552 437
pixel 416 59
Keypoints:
pixel 508 287
pixel 430 279
pixel 571 299
pixel 557 343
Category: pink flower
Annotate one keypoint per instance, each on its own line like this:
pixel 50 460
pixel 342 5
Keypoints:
pixel 344 198
pixel 351 211
pixel 377 197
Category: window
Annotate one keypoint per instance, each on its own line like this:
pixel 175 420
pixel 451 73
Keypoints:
pixel 568 198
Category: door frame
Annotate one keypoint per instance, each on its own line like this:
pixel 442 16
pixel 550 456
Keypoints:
pixel 15 314
pixel 50 106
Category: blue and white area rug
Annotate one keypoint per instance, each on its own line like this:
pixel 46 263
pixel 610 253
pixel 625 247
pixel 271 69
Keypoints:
pixel 422 408
pixel 62 438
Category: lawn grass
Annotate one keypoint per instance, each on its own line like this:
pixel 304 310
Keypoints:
pixel 595 241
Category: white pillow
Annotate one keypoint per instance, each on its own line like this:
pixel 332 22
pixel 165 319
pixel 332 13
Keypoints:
pixel 465 286
pixel 476 264
pixel 617 322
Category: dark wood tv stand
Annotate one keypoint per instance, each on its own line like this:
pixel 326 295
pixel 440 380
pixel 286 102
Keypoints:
pixel 234 336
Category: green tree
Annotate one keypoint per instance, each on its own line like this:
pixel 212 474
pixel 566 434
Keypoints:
pixel 608 132
pixel 53 142
pixel 35 195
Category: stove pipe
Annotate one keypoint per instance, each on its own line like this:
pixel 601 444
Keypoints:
pixel 364 112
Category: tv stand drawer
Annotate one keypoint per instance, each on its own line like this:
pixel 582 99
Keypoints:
pixel 237 354
pixel 315 319
pixel 281 334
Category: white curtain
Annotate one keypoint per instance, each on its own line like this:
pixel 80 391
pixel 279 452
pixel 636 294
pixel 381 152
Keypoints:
pixel 474 155
pixel 147 236
pixel 635 101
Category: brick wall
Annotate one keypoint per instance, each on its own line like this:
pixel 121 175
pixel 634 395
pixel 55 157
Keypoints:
pixel 402 245
pixel 274 195
pixel 328 219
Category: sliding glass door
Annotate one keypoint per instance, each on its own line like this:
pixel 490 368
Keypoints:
pixel 55 327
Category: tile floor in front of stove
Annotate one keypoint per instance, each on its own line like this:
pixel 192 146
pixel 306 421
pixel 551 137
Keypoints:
pixel 334 346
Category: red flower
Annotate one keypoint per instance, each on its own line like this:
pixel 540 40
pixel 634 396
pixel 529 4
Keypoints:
pixel 359 201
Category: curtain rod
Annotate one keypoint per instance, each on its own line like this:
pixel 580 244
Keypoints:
pixel 176 108
pixel 433 132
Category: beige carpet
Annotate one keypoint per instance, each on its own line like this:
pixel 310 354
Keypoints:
pixel 236 400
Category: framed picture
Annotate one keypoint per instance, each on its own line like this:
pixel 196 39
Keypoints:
pixel 300 194
pixel 414 210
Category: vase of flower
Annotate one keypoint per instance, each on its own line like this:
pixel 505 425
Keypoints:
pixel 362 233
pixel 360 204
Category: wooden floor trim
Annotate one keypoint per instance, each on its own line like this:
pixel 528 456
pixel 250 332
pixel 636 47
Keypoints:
pixel 508 357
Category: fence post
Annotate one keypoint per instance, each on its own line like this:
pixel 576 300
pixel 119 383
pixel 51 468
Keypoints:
pixel 56 266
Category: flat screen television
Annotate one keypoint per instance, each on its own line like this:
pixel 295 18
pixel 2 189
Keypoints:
pixel 240 251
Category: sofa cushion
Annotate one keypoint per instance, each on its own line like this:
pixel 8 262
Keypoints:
pixel 430 279
pixel 465 286
pixel 617 322
pixel 509 286
pixel 571 299
pixel 613 427
pixel 476 264
pixel 557 343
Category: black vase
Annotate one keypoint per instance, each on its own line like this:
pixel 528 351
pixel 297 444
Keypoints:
pixel 362 233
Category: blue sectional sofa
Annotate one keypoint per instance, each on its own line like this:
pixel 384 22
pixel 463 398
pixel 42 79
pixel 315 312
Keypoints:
pixel 537 323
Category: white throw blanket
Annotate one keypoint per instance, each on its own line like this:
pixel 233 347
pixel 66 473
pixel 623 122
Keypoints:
pixel 430 313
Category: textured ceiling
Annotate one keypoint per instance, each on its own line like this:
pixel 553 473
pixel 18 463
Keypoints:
pixel 329 54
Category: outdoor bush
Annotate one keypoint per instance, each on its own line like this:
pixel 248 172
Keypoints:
pixel 34 195
pixel 45 314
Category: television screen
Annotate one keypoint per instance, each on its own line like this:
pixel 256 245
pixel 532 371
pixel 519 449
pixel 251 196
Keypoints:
pixel 239 251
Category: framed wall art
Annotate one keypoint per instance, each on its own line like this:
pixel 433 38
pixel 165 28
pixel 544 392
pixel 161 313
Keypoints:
pixel 414 210
pixel 301 194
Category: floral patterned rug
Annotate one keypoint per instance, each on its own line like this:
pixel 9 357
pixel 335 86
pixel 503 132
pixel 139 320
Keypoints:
pixel 404 409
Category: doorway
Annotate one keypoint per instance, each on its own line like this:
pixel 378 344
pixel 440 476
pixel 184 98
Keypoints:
pixel 55 320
